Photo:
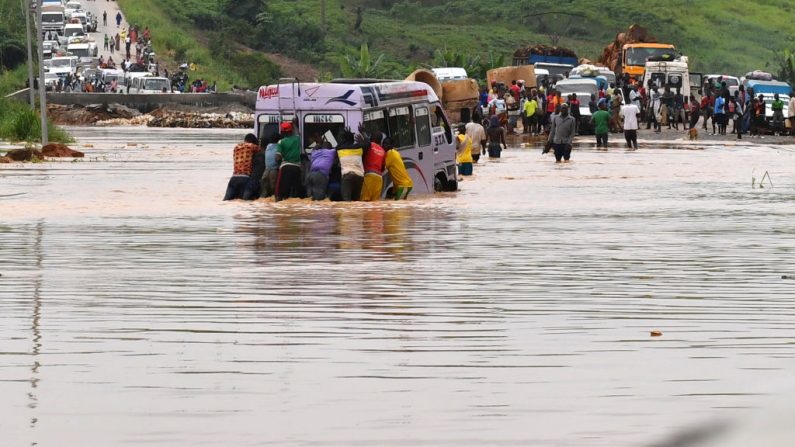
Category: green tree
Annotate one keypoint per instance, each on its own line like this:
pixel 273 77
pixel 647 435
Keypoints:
pixel 785 63
pixel 362 65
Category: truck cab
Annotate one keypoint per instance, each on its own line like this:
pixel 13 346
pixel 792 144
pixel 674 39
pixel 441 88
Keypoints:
pixel 635 55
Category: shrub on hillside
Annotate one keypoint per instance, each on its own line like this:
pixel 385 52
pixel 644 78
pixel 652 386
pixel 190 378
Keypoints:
pixel 259 70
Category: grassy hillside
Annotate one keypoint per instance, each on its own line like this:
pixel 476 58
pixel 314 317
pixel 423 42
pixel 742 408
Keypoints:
pixel 234 41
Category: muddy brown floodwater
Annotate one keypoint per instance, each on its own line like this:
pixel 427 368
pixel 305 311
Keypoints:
pixel 136 308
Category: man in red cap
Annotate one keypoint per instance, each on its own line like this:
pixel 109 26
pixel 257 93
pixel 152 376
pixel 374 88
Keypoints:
pixel 288 154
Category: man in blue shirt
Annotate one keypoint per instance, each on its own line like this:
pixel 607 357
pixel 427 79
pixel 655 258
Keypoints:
pixel 271 167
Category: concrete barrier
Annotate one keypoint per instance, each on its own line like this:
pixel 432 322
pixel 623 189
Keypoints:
pixel 147 102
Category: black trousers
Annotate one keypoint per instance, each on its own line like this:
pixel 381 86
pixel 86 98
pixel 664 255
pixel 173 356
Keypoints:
pixel 601 139
pixel 289 182
pixel 351 187
pixel 632 138
pixel 562 151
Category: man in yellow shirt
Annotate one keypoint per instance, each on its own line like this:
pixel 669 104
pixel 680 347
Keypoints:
pixel 397 170
pixel 463 149
pixel 530 108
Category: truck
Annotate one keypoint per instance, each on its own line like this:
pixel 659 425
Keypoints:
pixel 768 89
pixel 52 18
pixel 556 60
pixel 635 55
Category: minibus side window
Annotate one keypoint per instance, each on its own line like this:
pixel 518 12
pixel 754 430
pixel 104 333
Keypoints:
pixel 423 121
pixel 440 120
pixel 375 121
pixel 402 126
pixel 317 126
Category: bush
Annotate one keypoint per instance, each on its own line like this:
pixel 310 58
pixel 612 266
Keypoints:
pixel 259 70
pixel 19 123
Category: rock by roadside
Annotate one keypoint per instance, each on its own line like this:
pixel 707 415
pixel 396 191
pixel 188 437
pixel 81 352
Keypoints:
pixel 227 117
pixel 58 150
pixel 77 115
pixel 24 154
pixel 5 160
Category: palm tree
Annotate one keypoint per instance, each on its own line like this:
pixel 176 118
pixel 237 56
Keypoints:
pixel 362 66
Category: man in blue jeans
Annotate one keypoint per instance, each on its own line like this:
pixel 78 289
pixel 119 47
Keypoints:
pixel 561 133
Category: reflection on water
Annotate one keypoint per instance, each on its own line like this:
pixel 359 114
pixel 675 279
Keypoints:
pixel 137 308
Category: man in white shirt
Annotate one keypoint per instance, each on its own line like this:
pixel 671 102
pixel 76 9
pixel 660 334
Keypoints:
pixel 477 133
pixel 630 113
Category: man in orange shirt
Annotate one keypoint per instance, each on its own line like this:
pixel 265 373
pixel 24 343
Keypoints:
pixel 239 186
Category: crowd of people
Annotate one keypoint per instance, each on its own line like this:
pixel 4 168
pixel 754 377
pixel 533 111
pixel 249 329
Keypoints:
pixel 351 171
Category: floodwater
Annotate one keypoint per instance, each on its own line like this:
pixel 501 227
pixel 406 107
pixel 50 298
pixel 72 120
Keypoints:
pixel 138 309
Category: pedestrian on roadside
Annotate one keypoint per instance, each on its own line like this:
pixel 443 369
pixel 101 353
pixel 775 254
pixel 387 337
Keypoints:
pixel 561 134
pixel 574 107
pixel 541 112
pixel 791 110
pixel 107 40
pixel 601 122
pixel 630 113
pixel 118 41
pixel 778 114
pixel 105 18
pixel 239 186
pixel 288 156
pixel 529 111
pixel 720 114
pixel 118 19
pixel 694 111
pixel 737 115
pixel 679 110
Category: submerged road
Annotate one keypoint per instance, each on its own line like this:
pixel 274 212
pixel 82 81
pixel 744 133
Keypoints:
pixel 137 308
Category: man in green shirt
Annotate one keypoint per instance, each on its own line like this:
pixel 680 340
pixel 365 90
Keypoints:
pixel 601 120
pixel 778 113
pixel 288 153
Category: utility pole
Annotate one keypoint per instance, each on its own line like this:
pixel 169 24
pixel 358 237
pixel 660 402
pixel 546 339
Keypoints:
pixel 26 9
pixel 42 88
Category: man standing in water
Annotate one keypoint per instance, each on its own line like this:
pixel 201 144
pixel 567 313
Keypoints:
pixel 288 155
pixel 239 186
pixel 477 133
pixel 601 121
pixel 561 134
pixel 463 147
pixel 630 113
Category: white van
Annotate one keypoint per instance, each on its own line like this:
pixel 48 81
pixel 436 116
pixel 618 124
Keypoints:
pixel 408 112
pixel 150 84
pixel 673 74
pixel 444 74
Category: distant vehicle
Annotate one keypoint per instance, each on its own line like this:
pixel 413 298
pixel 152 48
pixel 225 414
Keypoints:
pixel 86 53
pixel 593 71
pixel 732 82
pixel 63 65
pixel 635 55
pixel 71 7
pixel 535 59
pixel 408 111
pixel 48 48
pixel 554 68
pixel 108 75
pixel 674 74
pixel 50 81
pixel 542 74
pixel 72 30
pixel 583 88
pixel 150 85
pixel 52 18
pixel 768 89
pixel 81 16
pixel 450 74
